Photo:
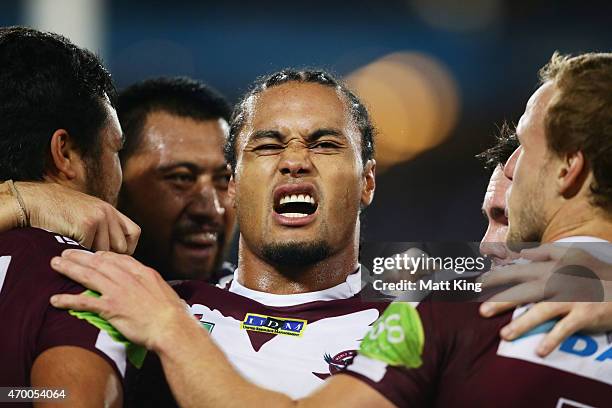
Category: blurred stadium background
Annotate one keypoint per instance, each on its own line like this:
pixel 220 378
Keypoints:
pixel 438 75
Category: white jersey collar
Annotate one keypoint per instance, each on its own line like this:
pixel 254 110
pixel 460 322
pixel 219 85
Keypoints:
pixel 581 238
pixel 345 290
pixel 599 248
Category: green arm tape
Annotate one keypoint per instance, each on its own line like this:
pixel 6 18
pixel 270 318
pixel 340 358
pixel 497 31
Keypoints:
pixel 397 338
pixel 135 353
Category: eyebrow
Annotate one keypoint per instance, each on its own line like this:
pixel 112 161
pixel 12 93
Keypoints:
pixel 191 166
pixel 319 133
pixel 266 134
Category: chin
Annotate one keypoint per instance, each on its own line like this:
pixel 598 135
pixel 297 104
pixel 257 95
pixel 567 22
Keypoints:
pixel 296 253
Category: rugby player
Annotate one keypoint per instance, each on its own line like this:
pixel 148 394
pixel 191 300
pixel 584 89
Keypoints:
pixel 560 193
pixel 437 354
pixel 58 126
pixel 574 316
pixel 175 176
pixel 492 243
pixel 301 149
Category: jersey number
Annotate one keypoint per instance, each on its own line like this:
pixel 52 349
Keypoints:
pixel 395 333
pixel 4 265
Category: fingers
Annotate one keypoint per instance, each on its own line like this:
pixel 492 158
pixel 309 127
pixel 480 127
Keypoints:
pixel 101 241
pixel 536 315
pixel 77 266
pixel 546 252
pixel 521 294
pixel 87 237
pixel 116 232
pixel 564 328
pixel 510 274
pixel 131 232
pixel 117 238
pixel 77 302
pixel 488 309
pixel 122 270
pixel 103 228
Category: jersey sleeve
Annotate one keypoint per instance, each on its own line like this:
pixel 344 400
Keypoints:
pixel 400 355
pixel 58 327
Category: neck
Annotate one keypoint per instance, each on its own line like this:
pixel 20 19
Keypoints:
pixel 258 274
pixel 582 219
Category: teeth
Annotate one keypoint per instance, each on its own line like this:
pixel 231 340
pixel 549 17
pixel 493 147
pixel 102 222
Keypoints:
pixel 301 198
pixel 200 238
pixel 295 215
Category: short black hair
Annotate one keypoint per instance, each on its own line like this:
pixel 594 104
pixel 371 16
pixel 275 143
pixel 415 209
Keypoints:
pixel 47 83
pixel 506 143
pixel 180 96
pixel 358 110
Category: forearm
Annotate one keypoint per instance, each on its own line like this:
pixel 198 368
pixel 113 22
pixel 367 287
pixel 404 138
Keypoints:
pixel 11 215
pixel 200 375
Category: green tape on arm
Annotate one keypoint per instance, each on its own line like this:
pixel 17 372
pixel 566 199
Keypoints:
pixel 397 338
pixel 135 353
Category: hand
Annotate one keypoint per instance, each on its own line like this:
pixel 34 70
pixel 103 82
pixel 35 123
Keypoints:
pixel 575 316
pixel 533 284
pixel 555 273
pixel 134 298
pixel 90 221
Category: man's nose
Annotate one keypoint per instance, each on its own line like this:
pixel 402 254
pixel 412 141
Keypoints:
pixel 295 160
pixel 205 199
pixel 511 163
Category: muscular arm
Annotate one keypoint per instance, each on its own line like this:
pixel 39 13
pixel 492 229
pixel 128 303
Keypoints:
pixel 10 213
pixel 89 380
pixel 90 221
pixel 200 375
pixel 141 305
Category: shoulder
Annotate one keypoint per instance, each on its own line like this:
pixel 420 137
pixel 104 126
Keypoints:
pixel 29 252
pixel 35 239
pixel 197 290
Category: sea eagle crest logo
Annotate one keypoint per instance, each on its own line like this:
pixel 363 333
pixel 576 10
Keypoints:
pixel 337 363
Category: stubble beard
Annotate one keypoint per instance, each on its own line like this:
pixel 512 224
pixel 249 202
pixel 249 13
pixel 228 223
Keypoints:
pixel 296 254
pixel 527 228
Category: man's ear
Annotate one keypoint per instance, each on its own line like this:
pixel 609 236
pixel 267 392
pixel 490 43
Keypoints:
pixel 66 162
pixel 369 183
pixel 572 174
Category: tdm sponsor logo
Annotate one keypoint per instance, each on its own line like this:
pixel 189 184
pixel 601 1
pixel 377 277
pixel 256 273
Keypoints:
pixel 273 325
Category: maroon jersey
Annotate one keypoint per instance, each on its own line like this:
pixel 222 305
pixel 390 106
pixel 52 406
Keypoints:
pixel 30 325
pixel 286 343
pixel 464 363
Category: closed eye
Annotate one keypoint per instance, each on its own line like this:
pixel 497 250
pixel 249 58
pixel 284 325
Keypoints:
pixel 180 179
pixel 326 145
pixel 268 149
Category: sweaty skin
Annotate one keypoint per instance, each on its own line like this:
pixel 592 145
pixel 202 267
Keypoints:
pixel 179 166
pixel 493 243
pixel 304 136
pixel 578 216
pixel 195 379
pixel 299 134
